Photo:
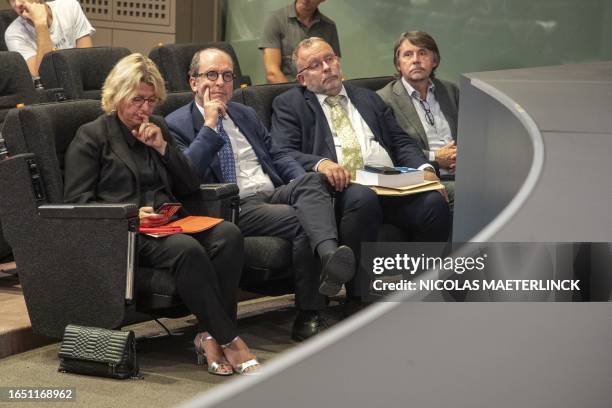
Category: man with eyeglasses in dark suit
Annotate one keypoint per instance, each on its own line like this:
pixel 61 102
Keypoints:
pixel 425 106
pixel 226 142
pixel 334 129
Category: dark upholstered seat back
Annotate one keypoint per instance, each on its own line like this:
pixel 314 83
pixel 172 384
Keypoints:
pixel 173 62
pixel 260 97
pixel 16 84
pixel 373 84
pixel 47 132
pixel 80 71
pixel 6 18
pixel 174 101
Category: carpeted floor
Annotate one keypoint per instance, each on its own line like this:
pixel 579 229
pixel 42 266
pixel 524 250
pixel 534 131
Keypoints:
pixel 168 363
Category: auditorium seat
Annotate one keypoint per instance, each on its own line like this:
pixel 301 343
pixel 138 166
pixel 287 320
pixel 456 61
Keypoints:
pixel 80 71
pixel 6 18
pixel 16 84
pixel 17 87
pixel 260 98
pixel 173 62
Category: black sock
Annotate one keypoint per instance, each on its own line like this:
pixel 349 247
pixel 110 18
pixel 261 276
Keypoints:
pixel 327 248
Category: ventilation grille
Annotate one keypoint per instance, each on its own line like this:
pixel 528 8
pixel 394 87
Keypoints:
pixel 97 9
pixel 153 12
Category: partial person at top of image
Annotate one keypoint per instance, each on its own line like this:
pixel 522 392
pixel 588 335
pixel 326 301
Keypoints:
pixel 285 28
pixel 43 27
pixel 424 106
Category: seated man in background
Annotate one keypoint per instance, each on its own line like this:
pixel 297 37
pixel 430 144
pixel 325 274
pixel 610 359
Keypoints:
pixel 226 142
pixel 285 29
pixel 424 106
pixel 43 27
pixel 335 129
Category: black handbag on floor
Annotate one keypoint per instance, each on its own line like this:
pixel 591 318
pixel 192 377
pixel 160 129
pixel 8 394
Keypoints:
pixel 100 352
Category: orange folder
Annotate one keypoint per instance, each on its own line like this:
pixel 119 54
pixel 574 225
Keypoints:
pixel 187 225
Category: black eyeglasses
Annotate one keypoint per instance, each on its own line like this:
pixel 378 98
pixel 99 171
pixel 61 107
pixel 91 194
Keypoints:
pixel 427 109
pixel 227 76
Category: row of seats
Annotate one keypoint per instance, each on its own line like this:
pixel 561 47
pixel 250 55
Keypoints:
pixel 80 73
pixel 75 262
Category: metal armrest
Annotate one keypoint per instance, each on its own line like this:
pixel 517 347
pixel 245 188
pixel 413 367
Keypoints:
pixel 88 211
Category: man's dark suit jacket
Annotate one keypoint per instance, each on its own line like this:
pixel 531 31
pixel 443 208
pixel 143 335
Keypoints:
pixel 100 168
pixel 201 143
pixel 395 95
pixel 299 127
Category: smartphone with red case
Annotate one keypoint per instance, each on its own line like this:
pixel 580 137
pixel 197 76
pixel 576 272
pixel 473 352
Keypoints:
pixel 168 209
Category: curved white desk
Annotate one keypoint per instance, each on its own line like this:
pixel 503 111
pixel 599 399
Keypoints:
pixel 532 167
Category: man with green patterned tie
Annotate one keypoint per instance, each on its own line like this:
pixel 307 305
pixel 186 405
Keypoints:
pixel 335 128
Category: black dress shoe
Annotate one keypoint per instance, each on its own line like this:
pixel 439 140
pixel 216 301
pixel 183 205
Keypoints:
pixel 338 267
pixel 307 324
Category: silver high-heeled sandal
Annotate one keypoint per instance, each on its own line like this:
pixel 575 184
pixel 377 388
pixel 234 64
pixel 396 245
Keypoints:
pixel 215 367
pixel 243 367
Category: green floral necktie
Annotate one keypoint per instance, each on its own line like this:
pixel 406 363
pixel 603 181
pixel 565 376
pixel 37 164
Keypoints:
pixel 351 150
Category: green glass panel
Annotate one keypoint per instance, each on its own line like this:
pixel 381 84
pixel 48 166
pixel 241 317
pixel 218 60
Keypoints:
pixel 473 35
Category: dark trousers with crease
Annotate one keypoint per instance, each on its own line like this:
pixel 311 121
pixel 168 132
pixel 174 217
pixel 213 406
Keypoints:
pixel 302 213
pixel 422 217
pixel 207 268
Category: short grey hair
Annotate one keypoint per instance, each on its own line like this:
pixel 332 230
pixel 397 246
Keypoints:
pixel 305 44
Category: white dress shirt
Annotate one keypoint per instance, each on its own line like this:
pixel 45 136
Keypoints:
pixel 439 134
pixel 250 176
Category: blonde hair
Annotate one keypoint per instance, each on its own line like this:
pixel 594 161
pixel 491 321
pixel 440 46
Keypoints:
pixel 124 78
